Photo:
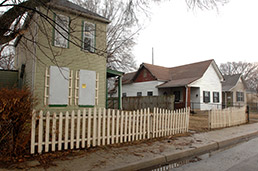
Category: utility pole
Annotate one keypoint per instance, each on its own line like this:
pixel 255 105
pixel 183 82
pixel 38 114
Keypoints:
pixel 152 56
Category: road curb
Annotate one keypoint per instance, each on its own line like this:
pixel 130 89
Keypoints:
pixel 170 157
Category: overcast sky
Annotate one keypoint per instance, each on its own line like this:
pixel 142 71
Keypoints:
pixel 180 36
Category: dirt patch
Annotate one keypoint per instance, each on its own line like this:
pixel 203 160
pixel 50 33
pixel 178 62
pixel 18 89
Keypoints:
pixel 47 160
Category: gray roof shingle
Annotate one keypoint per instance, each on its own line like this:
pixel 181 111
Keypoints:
pixel 230 81
pixel 73 6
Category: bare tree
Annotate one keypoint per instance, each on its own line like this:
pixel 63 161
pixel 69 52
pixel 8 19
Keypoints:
pixel 205 4
pixel 6 57
pixel 248 70
pixel 125 25
pixel 121 33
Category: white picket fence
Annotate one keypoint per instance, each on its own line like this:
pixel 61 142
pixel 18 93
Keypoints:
pixel 95 127
pixel 219 118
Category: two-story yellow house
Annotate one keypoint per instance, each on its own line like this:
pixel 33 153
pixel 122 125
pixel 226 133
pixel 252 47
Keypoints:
pixel 62 57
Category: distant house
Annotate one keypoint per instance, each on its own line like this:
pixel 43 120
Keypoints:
pixel 234 91
pixel 71 40
pixel 198 85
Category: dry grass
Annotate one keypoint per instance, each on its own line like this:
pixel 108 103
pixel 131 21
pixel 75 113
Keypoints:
pixel 199 122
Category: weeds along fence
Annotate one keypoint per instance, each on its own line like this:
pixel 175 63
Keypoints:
pixel 219 118
pixel 95 127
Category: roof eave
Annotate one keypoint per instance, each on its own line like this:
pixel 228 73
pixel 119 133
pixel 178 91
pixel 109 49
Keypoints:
pixel 55 6
pixel 217 70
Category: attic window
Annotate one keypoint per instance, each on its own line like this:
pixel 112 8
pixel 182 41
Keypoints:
pixel 88 36
pixel 61 31
pixel 144 73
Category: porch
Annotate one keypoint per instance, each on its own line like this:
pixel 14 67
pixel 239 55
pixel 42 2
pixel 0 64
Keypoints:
pixel 184 96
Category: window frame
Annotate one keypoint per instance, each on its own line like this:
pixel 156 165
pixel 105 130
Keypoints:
pixel 90 34
pixel 240 96
pixel 139 94
pixel 214 98
pixel 149 92
pixel 59 31
pixel 206 99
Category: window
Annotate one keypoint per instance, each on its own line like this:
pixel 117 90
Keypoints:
pixel 215 97
pixel 206 96
pixel 240 96
pixel 149 93
pixel 87 87
pixel 124 94
pixel 58 86
pixel 177 96
pixel 61 33
pixel 88 37
pixel 139 93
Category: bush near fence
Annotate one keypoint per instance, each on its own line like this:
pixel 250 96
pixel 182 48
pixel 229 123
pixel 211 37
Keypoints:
pixel 15 118
pixel 141 102
pixel 227 117
pixel 94 127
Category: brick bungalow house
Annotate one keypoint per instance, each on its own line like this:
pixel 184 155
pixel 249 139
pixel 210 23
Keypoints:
pixel 198 85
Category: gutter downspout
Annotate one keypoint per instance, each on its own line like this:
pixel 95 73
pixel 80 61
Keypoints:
pixel 120 93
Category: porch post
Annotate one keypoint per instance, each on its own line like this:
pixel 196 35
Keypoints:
pixel 106 93
pixel 226 103
pixel 119 92
pixel 187 96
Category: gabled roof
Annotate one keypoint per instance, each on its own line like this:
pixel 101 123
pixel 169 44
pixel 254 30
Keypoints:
pixel 230 81
pixel 158 72
pixel 177 76
pixel 186 74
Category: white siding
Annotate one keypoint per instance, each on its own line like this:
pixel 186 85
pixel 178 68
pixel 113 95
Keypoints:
pixel 212 83
pixel 144 87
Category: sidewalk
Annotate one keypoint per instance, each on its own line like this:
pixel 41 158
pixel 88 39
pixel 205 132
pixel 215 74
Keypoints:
pixel 143 155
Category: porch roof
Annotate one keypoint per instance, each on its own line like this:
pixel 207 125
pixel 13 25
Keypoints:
pixel 178 83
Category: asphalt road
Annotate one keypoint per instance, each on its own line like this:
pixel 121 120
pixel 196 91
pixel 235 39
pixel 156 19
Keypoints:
pixel 243 157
